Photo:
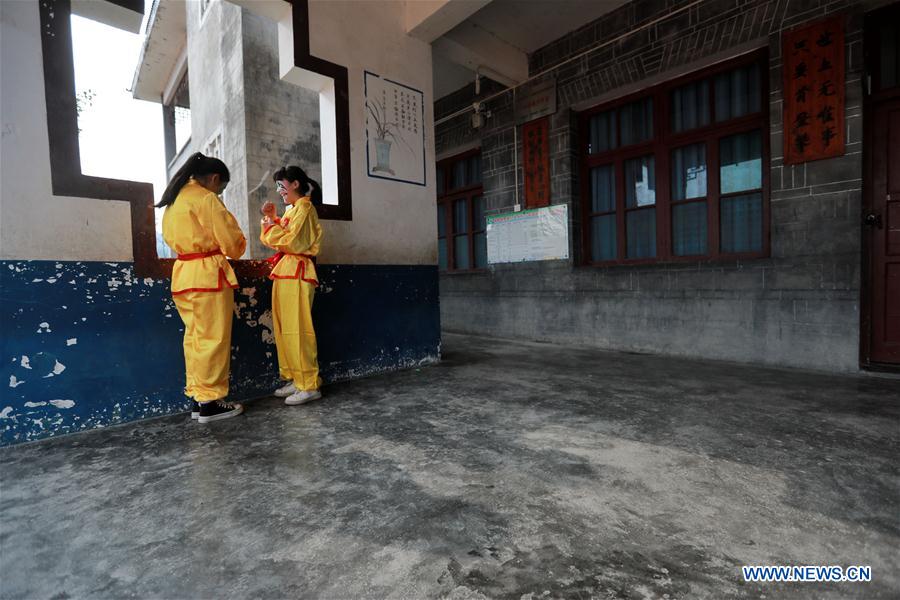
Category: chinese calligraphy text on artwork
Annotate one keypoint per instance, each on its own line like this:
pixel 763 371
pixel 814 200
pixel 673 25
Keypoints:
pixel 395 130
pixel 536 162
pixel 814 91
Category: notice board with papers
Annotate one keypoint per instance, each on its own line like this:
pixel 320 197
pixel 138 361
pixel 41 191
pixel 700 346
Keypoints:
pixel 539 234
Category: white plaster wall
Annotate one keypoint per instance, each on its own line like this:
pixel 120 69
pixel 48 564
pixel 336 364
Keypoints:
pixel 393 222
pixel 35 224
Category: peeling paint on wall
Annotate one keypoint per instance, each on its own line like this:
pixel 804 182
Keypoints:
pixel 100 347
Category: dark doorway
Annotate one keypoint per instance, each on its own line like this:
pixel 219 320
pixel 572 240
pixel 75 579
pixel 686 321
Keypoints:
pixel 881 200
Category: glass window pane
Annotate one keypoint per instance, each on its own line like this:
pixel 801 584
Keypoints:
pixel 889 55
pixel 442 254
pixel 461 252
pixel 742 224
pixel 637 121
pixel 440 181
pixel 442 220
pixel 640 233
pixel 689 172
pixel 602 135
pixel 182 127
pixel 460 222
pixel 478 218
pixel 640 182
pixel 690 106
pixel 603 238
pixel 740 162
pixel 738 92
pixel 480 250
pixel 689 229
pixel 459 174
pixel 181 102
pixel 603 189
pixel 475 169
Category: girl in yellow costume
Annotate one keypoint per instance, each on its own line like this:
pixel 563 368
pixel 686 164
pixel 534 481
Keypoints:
pixel 296 237
pixel 198 227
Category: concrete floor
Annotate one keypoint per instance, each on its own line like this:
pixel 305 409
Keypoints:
pixel 510 470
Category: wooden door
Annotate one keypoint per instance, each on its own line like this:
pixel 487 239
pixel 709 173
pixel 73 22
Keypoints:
pixel 883 225
pixel 881 211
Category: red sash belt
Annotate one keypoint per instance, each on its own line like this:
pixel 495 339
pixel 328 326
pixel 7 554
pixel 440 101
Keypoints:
pixel 273 260
pixel 198 255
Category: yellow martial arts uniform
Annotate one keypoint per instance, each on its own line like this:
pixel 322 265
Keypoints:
pixel 199 228
pixel 296 237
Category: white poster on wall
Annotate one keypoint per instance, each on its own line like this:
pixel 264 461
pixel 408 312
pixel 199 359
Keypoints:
pixel 537 234
pixel 395 130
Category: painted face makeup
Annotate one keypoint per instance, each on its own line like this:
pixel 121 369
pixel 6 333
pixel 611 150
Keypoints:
pixel 283 192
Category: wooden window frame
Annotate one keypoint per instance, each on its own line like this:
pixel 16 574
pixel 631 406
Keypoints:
pixel 446 201
pixel 661 146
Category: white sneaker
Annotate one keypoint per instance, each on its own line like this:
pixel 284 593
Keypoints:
pixel 302 397
pixel 287 390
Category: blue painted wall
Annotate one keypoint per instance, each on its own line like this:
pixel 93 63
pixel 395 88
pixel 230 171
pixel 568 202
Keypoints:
pixel 87 344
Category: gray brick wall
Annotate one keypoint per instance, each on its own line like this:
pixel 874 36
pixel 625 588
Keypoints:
pixel 799 307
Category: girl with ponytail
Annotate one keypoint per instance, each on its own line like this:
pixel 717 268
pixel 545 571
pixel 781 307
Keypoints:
pixel 296 237
pixel 201 231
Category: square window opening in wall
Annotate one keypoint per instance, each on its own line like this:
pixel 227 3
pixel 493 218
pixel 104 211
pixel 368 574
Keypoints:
pixel 91 163
pixel 679 171
pixel 312 145
pixel 108 117
pixel 118 135
pixel 325 152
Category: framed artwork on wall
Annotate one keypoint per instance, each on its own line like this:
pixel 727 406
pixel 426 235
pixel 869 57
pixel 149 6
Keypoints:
pixel 395 130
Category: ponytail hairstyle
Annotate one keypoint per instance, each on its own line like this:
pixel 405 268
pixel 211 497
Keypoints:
pixel 307 186
pixel 196 165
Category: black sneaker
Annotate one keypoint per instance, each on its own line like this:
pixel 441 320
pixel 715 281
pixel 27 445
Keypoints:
pixel 218 410
pixel 195 410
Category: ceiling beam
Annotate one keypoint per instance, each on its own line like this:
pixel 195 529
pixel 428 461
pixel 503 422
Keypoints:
pixel 428 20
pixel 479 50
pixel 271 9
pixel 121 14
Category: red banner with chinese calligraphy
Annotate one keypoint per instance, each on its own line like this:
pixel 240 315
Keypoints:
pixel 536 159
pixel 814 91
